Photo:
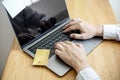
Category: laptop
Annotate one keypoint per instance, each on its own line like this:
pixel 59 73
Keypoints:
pixel 39 26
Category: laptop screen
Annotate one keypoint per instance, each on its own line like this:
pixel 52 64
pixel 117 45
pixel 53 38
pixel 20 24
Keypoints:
pixel 38 18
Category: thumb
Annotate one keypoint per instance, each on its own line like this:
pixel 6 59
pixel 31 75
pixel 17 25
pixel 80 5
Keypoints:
pixel 79 36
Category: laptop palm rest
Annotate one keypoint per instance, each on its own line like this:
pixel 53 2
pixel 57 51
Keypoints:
pixel 56 65
pixel 90 44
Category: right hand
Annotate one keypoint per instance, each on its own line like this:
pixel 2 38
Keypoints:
pixel 87 30
pixel 73 54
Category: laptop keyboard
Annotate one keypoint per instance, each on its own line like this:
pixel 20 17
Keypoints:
pixel 49 41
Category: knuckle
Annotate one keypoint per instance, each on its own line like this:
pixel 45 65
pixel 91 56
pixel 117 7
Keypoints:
pixel 66 46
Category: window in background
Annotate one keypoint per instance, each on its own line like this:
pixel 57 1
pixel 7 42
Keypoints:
pixel 29 2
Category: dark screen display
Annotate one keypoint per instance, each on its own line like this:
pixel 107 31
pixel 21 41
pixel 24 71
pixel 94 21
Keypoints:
pixel 38 18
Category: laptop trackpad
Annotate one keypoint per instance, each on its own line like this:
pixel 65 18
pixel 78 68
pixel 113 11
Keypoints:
pixel 58 66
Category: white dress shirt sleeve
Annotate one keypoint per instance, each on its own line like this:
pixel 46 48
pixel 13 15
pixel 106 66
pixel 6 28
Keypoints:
pixel 111 32
pixel 87 74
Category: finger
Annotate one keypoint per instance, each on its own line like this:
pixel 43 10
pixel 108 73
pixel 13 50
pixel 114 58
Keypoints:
pixel 79 45
pixel 58 52
pixel 70 24
pixel 65 46
pixel 59 46
pixel 74 27
pixel 79 36
pixel 71 43
pixel 55 44
pixel 68 42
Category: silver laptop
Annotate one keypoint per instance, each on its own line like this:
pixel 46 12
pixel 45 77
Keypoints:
pixel 39 26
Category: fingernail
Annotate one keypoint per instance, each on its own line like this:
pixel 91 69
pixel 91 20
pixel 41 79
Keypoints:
pixel 72 35
pixel 55 43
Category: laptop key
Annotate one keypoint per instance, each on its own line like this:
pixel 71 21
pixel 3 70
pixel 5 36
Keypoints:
pixel 48 42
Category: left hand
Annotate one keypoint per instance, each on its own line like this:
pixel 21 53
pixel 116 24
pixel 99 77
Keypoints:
pixel 87 30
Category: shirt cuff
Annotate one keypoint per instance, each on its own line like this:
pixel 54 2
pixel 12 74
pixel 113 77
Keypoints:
pixel 110 32
pixel 87 74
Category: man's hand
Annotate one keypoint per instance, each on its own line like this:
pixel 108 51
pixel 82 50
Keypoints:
pixel 86 30
pixel 73 54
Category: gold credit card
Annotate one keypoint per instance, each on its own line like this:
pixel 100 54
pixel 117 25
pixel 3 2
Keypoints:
pixel 41 57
